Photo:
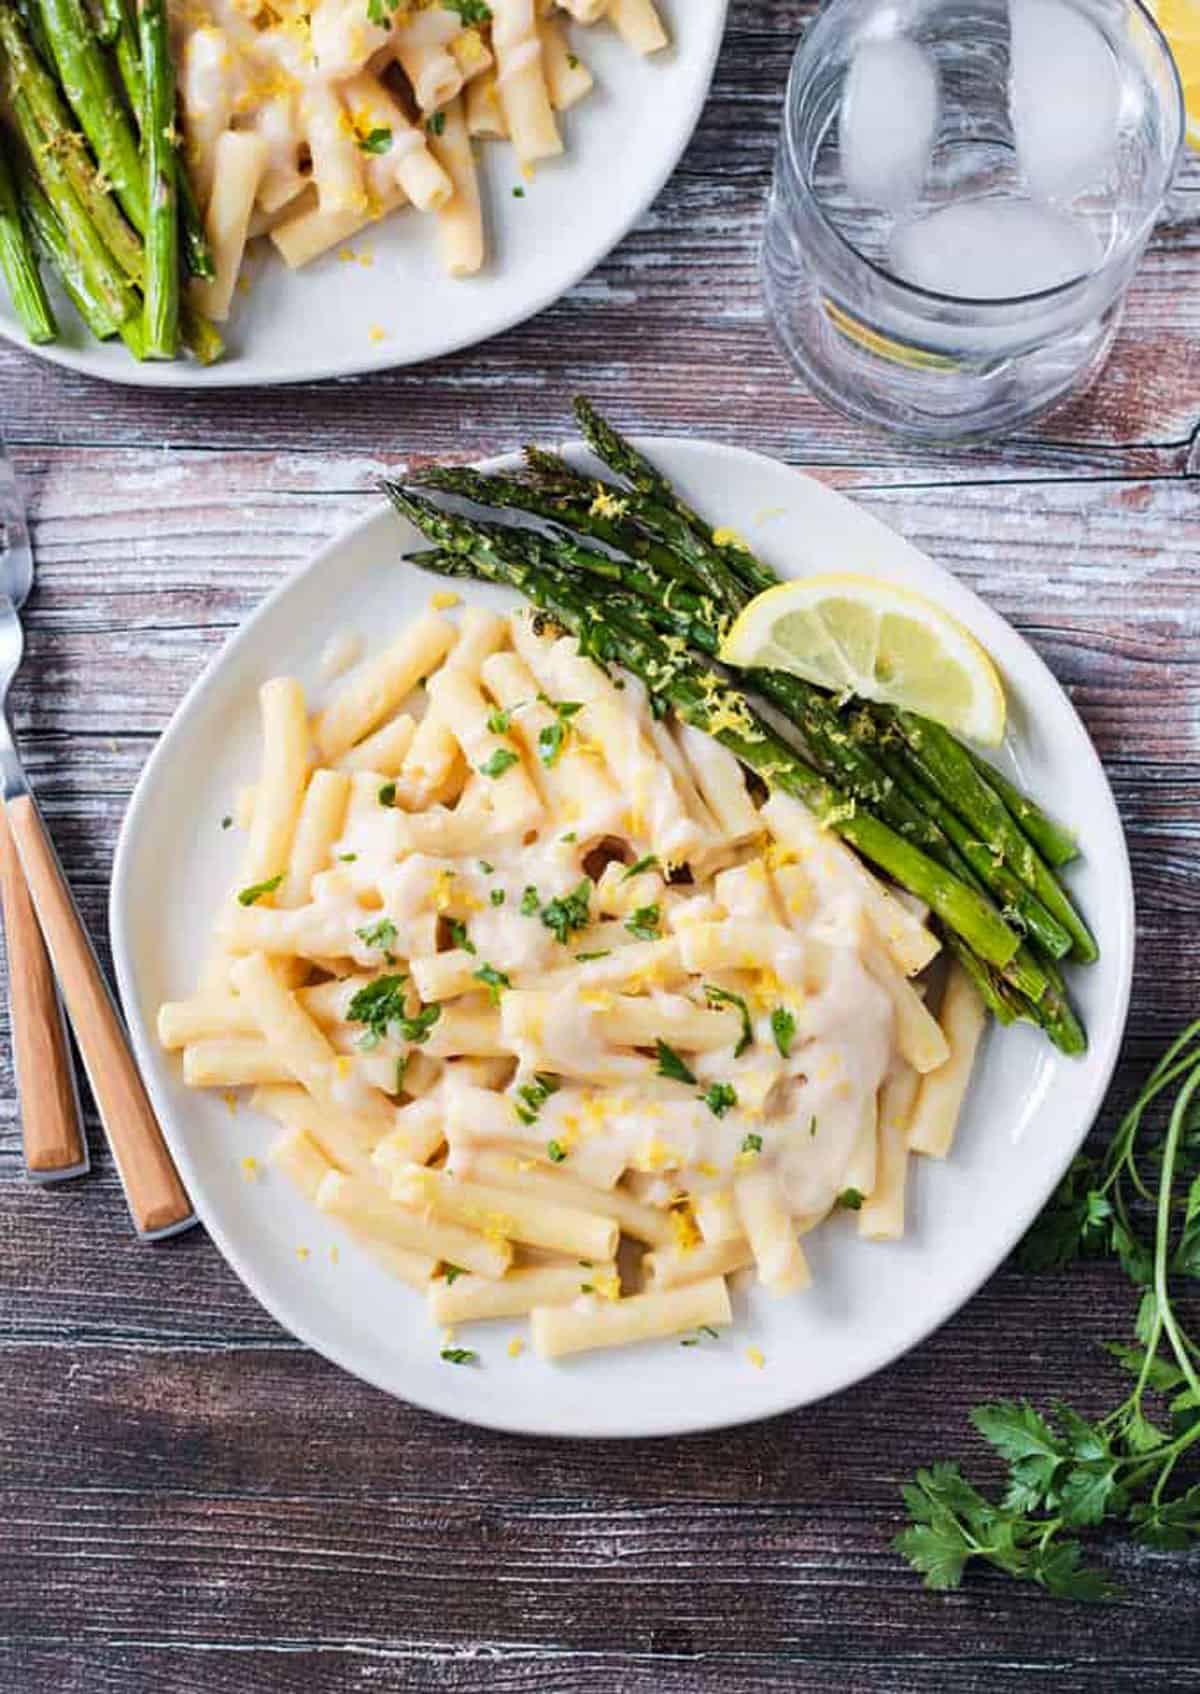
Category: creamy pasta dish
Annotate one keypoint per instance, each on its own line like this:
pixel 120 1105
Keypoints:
pixel 307 120
pixel 556 1017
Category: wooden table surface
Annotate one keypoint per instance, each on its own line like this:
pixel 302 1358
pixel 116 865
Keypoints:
pixel 193 1503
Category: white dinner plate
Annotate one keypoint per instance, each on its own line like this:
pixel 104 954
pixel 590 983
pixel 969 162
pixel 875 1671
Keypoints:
pixel 393 304
pixel 1027 1112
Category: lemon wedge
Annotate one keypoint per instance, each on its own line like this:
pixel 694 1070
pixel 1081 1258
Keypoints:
pixel 1179 21
pixel 860 635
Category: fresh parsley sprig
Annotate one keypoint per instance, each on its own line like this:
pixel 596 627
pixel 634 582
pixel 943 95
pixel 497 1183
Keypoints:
pixel 1139 1205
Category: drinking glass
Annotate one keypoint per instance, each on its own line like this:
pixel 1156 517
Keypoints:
pixel 933 266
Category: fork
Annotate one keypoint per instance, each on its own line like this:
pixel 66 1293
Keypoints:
pixel 157 1199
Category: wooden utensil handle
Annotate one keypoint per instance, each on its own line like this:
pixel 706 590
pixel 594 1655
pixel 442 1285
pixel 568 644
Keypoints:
pixel 156 1196
pixel 54 1144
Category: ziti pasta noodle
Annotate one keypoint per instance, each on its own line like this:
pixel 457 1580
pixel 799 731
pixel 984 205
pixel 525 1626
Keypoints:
pixel 556 1021
pixel 310 120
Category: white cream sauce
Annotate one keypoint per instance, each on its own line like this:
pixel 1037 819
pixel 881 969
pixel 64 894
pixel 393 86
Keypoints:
pixel 808 1107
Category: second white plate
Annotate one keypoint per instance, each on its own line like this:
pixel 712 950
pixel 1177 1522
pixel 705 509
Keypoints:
pixel 392 303
pixel 1028 1109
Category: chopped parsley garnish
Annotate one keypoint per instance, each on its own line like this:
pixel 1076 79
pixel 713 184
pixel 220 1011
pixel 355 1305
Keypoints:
pixel 502 759
pixel 497 896
pixel 498 721
pixel 387 794
pixel 518 194
pixel 530 901
pixel 567 913
pixel 493 980
pixel 783 1028
pixel 647 863
pixel 375 141
pixel 470 11
pixel 553 735
pixel 486 866
pixel 812 1125
pixel 256 890
pixel 227 822
pixel 644 923
pixel 459 936
pixel 570 836
pixel 850 1200
pixel 378 1004
pixel 550 742
pixel 535 1094
pixel 671 1065
pixel 459 1355
pixel 416 1029
pixel 435 123
pixel 573 61
pixel 452 1274
pixel 347 858
pixel 719 1098
pixel 584 958
pixel 751 1143
pixel 381 12
pixel 555 1152
pixel 401 1069
pixel 694 1340
pixel 380 935
pixel 722 997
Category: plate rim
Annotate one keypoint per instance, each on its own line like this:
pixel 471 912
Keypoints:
pixel 689 1422
pixel 186 373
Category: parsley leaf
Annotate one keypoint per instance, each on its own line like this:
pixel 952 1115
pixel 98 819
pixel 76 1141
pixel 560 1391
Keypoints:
pixel 416 1029
pixel 249 896
pixel 644 923
pixel 751 1143
pixel 584 958
pixel 459 936
pixel 849 1200
pixel 387 794
pixel 719 1098
pixel 550 742
pixel 567 913
pixel 535 1094
pixel 227 821
pixel 783 1028
pixel 452 1274
pixel 380 935
pixel 671 1065
pixel 553 735
pixel 501 760
pixel 555 1152
pixel 377 1004
pixel 644 864
pixel 460 1356
pixel 497 897
pixel 531 901
pixel 722 997
pixel 435 123
pixel 486 866
pixel 470 11
pixel 493 979
pixel 376 141
pixel 498 721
